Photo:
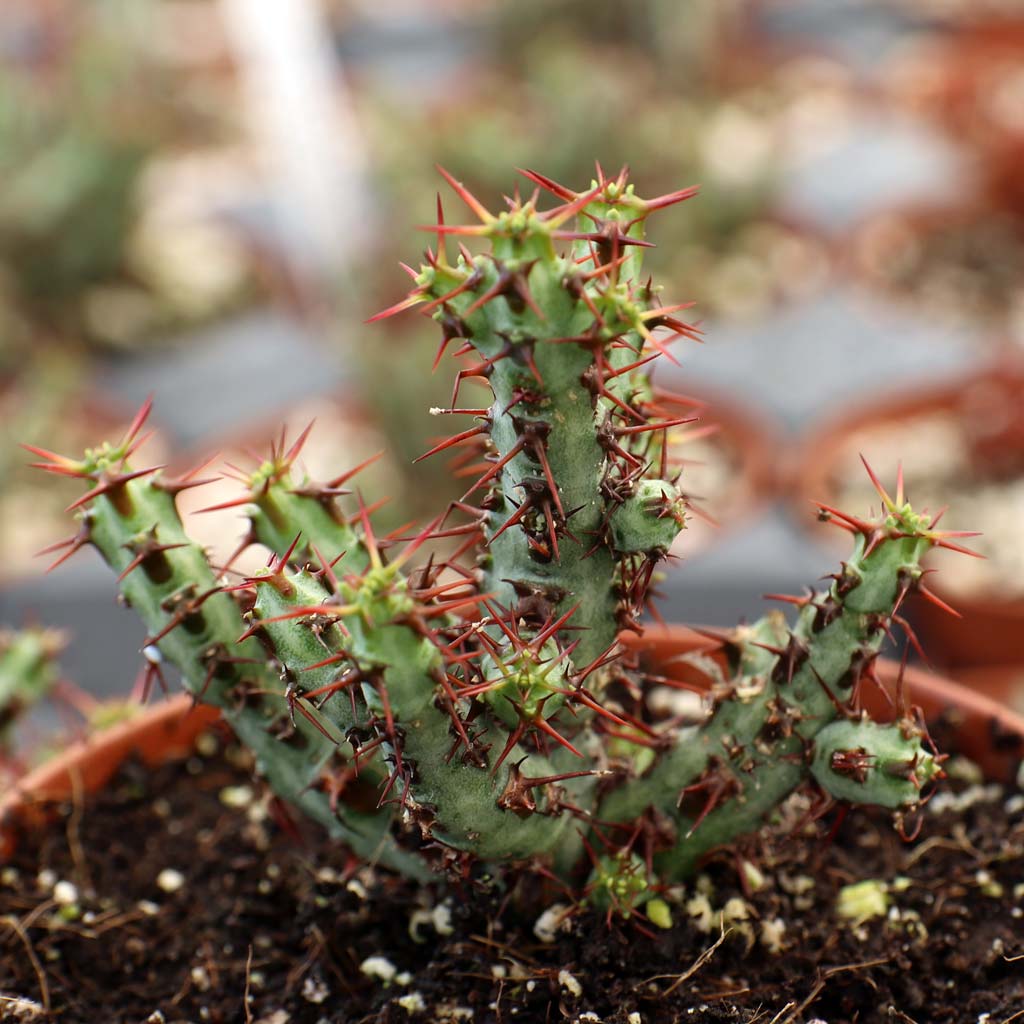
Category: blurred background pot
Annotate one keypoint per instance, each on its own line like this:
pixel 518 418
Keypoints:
pixel 953 263
pixel 973 725
pixel 970 79
pixel 730 460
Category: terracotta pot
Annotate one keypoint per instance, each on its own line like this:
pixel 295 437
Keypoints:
pixel 1004 683
pixel 988 406
pixel 983 729
pixel 966 80
pixel 986 731
pixel 158 734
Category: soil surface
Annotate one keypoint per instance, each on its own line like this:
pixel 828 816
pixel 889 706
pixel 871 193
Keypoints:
pixel 183 895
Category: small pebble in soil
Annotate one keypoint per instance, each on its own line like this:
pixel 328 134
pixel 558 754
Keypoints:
pixel 170 880
pixel 413 1002
pixel 236 796
pixel 65 893
pixel 379 967
pixel 554 918
pixel 569 982
pixel 15 1008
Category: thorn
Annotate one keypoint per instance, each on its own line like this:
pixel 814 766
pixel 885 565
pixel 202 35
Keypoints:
pixel 467 197
pixel 338 481
pixel 497 467
pixel 555 218
pixel 585 698
pixel 908 631
pixel 632 366
pixel 658 425
pixel 957 547
pixel 670 199
pixel 930 595
pixel 282 563
pixel 110 484
pixel 399 307
pixel 514 737
pixel 187 480
pixel 145 553
pixel 455 439
pixel 59 464
pixel 442 242
pixel 858 525
pixel 293 453
pixel 541 638
pixel 245 499
pixel 138 422
pixel 882 492
pixel 547 183
pixel 541 723
pixel 73 544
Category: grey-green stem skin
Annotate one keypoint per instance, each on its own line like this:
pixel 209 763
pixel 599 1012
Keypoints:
pixel 758 744
pixel 493 723
pixel 204 646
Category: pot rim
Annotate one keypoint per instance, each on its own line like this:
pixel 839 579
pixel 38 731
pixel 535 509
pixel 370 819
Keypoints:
pixel 170 728
pixel 992 733
pixel 157 734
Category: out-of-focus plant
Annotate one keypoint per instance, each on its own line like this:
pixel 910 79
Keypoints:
pixel 94 247
pixel 559 100
pixel 84 108
pixel 28 673
pixel 956 263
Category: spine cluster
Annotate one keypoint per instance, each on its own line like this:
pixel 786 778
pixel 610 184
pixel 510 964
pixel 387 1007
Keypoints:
pixel 426 710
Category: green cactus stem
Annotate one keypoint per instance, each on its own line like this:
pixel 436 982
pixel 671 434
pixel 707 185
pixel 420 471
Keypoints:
pixel 792 709
pixel 378 627
pixel 130 517
pixel 573 499
pixel 419 706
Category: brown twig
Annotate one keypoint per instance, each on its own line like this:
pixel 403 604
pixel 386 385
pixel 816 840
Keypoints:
pixel 823 979
pixel 245 994
pixel 74 833
pixel 19 930
pixel 695 966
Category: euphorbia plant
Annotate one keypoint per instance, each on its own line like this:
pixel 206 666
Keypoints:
pixel 431 712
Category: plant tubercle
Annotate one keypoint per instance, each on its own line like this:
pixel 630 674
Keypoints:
pixel 431 711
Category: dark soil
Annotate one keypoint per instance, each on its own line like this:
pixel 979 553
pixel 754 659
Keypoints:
pixel 269 926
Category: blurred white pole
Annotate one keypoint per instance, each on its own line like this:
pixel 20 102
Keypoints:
pixel 302 121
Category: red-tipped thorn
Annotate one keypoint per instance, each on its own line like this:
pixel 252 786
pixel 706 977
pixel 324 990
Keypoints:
pixel 466 196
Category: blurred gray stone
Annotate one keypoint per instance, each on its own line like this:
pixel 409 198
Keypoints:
pixel 247 369
pixel 811 360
